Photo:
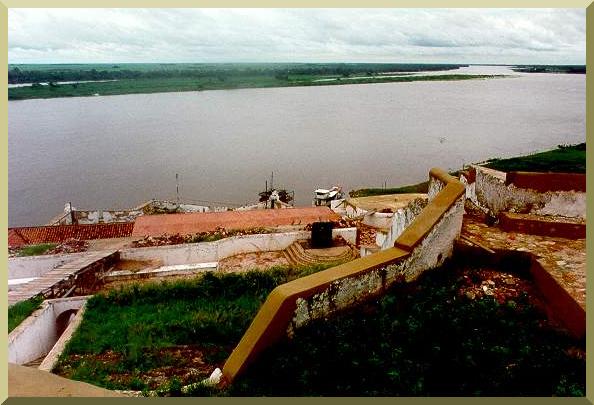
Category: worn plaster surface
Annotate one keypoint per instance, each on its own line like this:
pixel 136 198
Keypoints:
pixel 564 259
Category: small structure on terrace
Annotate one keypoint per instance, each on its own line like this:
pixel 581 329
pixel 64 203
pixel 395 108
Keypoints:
pixel 387 215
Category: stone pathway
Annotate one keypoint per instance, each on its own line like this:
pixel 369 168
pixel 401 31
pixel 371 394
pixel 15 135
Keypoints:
pixel 564 259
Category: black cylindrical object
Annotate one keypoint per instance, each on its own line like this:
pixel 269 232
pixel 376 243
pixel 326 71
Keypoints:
pixel 321 234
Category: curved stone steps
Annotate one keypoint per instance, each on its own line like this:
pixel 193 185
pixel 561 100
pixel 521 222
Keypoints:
pixel 296 255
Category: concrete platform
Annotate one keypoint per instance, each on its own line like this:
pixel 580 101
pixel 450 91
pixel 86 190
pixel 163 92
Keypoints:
pixel 29 382
pixel 393 202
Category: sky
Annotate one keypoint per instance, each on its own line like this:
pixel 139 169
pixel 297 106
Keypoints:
pixel 490 36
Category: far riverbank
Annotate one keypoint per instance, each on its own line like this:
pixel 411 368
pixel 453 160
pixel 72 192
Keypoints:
pixel 168 85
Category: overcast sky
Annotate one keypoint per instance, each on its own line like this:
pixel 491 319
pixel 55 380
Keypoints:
pixel 501 36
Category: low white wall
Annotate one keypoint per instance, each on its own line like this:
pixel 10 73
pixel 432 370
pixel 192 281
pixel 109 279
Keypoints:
pixel 37 334
pixel 54 354
pixel 493 196
pixel 36 266
pixel 379 219
pixel 401 219
pixel 221 249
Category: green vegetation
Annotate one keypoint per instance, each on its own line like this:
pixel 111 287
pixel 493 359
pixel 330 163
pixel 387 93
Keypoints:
pixel 17 313
pixel 550 68
pixel 426 338
pixel 34 250
pixel 155 78
pixel 32 73
pixel 564 159
pixel 367 192
pixel 132 333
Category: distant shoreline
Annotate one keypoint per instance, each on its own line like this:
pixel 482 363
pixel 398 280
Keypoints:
pixel 146 86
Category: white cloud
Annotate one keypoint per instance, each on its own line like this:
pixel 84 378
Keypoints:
pixel 555 36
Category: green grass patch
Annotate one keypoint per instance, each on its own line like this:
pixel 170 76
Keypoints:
pixel 17 313
pixel 564 159
pixel 422 339
pixel 414 188
pixel 35 250
pixel 178 84
pixel 127 330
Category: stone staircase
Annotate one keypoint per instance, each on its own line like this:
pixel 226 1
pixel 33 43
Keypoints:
pixel 298 256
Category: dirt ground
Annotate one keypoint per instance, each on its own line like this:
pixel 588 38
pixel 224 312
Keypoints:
pixel 249 261
pixel 188 363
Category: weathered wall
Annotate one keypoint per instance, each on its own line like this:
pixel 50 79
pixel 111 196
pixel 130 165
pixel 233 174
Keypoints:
pixel 127 215
pixel 36 266
pixel 51 359
pixel 543 182
pixel 425 253
pixel 425 244
pixel 494 196
pixel 221 249
pixel 175 254
pixel 37 334
pixel 379 219
pixel 401 219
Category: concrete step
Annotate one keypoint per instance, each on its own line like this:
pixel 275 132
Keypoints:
pixel 543 225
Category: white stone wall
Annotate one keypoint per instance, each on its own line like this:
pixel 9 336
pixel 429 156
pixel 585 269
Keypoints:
pixel 36 266
pixel 37 334
pixel 221 249
pixel 493 196
pixel 402 218
pixel 379 219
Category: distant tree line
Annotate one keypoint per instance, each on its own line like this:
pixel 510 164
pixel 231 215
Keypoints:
pixel 31 74
pixel 550 68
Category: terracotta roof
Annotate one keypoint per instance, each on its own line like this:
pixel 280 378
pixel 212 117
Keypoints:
pixel 60 233
pixel 184 224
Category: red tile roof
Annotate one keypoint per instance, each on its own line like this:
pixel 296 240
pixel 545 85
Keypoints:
pixel 184 224
pixel 59 233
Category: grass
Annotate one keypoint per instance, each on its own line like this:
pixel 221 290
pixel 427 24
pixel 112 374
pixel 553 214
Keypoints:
pixel 127 329
pixel 421 339
pixel 414 188
pixel 178 84
pixel 17 313
pixel 564 159
pixel 35 250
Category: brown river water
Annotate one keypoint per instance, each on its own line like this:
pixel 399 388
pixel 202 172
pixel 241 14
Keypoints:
pixel 113 152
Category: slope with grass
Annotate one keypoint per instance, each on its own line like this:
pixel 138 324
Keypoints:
pixel 155 335
pixel 17 313
pixel 447 334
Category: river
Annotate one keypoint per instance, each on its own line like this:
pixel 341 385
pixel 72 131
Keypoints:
pixel 113 152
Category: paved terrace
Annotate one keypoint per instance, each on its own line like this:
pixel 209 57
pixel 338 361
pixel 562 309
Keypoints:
pixel 564 259
pixel 392 202
pixel 156 225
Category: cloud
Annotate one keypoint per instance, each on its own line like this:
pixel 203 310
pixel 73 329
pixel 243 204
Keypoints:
pixel 511 36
